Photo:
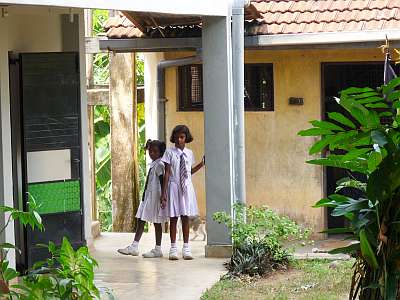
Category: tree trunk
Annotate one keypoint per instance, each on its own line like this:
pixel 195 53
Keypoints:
pixel 124 170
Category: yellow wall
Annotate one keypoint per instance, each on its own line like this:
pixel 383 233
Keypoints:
pixel 276 173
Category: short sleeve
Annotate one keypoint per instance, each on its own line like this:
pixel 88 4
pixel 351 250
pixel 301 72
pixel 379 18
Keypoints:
pixel 167 156
pixel 160 169
pixel 192 160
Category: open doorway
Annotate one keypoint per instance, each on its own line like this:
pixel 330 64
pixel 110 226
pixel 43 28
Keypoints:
pixel 337 77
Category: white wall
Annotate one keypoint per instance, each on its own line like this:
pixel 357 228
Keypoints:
pixel 6 192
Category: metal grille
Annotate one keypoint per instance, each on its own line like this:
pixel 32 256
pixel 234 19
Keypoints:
pixel 196 85
pixel 258 93
pixel 190 80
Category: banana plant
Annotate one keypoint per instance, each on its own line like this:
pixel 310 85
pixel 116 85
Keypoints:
pixel 366 140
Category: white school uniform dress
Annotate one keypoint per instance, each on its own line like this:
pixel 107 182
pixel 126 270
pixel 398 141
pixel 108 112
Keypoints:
pixel 150 206
pixel 179 202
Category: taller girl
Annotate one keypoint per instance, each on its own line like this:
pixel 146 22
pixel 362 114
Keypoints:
pixel 178 198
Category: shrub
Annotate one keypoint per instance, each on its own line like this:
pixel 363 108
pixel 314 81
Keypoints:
pixel 366 140
pixel 258 234
pixel 67 274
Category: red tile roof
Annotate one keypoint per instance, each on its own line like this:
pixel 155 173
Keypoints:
pixel 286 17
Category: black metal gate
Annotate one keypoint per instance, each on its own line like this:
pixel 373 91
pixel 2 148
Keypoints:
pixel 45 113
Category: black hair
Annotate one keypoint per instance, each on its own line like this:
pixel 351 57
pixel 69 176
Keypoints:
pixel 156 143
pixel 181 129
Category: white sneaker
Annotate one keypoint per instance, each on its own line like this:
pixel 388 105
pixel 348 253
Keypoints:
pixel 129 250
pixel 186 253
pixel 153 253
pixel 173 253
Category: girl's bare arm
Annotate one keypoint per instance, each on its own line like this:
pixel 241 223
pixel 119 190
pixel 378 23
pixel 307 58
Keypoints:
pixel 197 167
pixel 165 183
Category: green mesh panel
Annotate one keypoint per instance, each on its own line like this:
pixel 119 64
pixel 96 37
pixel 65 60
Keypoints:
pixel 56 197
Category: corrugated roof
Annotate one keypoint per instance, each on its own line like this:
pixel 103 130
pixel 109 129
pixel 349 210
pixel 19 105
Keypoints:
pixel 270 17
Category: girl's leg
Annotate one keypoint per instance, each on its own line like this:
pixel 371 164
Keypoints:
pixel 156 252
pixel 158 232
pixel 185 228
pixel 133 249
pixel 187 254
pixel 139 230
pixel 172 229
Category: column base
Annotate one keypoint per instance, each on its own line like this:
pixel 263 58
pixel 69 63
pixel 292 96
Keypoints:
pixel 218 251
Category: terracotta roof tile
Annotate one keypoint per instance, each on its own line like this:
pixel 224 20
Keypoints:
pixel 360 4
pixel 374 25
pixel 291 16
pixel 392 24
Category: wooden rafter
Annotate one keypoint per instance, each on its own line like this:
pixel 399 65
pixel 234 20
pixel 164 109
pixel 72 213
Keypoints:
pixel 135 21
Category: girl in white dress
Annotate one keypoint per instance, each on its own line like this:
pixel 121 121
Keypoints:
pixel 149 208
pixel 178 198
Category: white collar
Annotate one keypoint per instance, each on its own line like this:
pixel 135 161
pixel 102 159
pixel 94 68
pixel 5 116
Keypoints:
pixel 179 151
pixel 154 162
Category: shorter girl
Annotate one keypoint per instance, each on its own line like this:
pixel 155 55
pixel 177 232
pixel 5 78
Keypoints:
pixel 178 198
pixel 149 208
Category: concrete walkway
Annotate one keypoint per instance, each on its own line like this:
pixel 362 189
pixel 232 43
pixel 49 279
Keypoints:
pixel 138 278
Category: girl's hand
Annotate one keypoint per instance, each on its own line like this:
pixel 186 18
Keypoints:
pixel 163 200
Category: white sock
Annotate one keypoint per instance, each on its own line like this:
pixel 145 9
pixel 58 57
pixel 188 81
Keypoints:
pixel 185 245
pixel 135 244
pixel 173 245
pixel 158 248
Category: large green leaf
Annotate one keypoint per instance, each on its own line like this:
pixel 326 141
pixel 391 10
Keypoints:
pixel 367 251
pixel 321 144
pixel 357 91
pixel 377 105
pixel 349 207
pixel 325 202
pixel 314 132
pixel 103 172
pixel 326 125
pixel 374 159
pixel 394 96
pixel 391 86
pixel 355 153
pixel 371 100
pixel 356 165
pixel 338 117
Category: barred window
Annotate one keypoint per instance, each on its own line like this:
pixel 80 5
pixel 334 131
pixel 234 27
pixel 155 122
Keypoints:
pixel 258 92
pixel 190 80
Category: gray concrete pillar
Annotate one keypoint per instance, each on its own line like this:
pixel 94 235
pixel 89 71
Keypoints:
pixel 218 121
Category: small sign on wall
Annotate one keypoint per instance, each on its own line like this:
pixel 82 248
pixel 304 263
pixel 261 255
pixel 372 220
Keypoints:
pixel 296 101
pixel 51 165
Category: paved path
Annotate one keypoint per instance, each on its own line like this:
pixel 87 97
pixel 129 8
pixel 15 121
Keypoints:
pixel 138 278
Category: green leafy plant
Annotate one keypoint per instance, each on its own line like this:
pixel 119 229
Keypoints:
pixel 258 236
pixel 30 218
pixel 67 274
pixel 366 140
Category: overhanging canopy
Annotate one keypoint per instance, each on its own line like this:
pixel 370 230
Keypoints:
pixel 175 7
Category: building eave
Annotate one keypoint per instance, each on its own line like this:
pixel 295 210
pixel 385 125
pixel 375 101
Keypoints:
pixel 175 7
pixel 319 39
pixel 327 40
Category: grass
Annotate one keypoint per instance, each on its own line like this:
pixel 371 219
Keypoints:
pixel 305 280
